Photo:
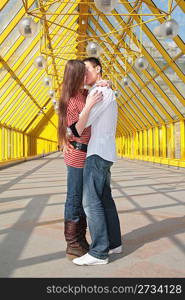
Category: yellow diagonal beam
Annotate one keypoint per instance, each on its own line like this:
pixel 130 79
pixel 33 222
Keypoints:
pixel 14 22
pixel 128 95
pixel 83 23
pixel 163 52
pixel 135 86
pixel 30 123
pixel 49 41
pixel 144 85
pixel 37 94
pixel 126 121
pixel 25 54
pixel 181 4
pixel 36 79
pixel 139 120
pixel 3 3
pixel 122 128
pixel 131 115
pixel 135 75
pixel 21 85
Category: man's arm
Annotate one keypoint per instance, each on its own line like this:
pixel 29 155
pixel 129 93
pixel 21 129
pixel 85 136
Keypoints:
pixel 99 108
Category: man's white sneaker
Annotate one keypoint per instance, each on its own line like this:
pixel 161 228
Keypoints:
pixel 89 260
pixel 116 250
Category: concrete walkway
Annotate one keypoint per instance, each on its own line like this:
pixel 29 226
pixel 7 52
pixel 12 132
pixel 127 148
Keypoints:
pixel 151 204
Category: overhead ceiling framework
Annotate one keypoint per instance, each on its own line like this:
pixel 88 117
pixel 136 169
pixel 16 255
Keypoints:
pixel 153 96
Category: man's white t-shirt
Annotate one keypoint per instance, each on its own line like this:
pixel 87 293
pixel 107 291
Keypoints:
pixel 103 121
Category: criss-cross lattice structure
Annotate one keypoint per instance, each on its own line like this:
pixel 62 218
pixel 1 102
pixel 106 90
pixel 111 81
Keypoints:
pixel 150 100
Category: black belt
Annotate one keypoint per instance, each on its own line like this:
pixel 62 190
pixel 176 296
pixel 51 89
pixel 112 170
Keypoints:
pixel 79 146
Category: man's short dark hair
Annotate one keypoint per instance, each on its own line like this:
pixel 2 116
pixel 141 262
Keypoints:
pixel 94 61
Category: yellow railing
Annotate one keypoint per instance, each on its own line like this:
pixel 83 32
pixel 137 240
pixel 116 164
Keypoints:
pixel 15 145
pixel 164 145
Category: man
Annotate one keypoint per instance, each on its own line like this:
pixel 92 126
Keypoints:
pixel 98 203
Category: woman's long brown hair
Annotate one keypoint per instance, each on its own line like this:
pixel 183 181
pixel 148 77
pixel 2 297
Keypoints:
pixel 74 74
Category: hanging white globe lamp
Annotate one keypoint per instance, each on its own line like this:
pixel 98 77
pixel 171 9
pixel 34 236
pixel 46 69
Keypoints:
pixel 93 49
pixel 54 101
pixel 47 81
pixel 169 29
pixel 117 93
pixel 56 108
pixel 141 63
pixel 106 6
pixel 27 27
pixel 40 62
pixel 51 93
pixel 125 81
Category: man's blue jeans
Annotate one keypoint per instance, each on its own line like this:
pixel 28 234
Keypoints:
pixel 73 205
pixel 99 207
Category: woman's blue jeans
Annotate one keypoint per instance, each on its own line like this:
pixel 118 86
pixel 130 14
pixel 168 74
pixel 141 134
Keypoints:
pixel 73 205
pixel 99 207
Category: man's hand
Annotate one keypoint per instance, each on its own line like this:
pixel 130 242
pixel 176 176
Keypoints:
pixel 67 148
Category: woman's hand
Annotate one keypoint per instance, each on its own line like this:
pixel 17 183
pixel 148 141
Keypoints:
pixel 94 98
pixel 103 83
pixel 67 148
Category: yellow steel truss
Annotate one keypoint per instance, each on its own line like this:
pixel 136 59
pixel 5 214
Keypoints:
pixel 148 117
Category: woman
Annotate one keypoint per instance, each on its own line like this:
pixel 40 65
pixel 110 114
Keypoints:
pixel 74 102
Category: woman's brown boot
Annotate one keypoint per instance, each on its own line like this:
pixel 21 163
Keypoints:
pixel 73 237
pixel 82 230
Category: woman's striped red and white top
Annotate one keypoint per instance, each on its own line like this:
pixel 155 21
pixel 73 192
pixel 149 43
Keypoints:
pixel 77 157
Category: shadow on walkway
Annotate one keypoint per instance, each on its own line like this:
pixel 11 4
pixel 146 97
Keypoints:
pixel 167 228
